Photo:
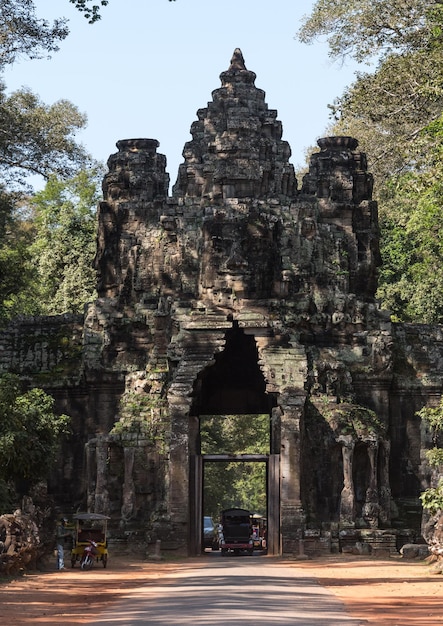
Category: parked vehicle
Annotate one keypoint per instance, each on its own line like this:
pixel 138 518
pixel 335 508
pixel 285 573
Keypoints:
pixel 236 531
pixel 259 532
pixel 90 540
pixel 89 555
pixel 210 534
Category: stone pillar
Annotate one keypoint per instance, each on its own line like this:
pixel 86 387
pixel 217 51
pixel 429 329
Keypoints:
pixel 91 467
pixel 101 501
pixel 371 506
pixel 347 500
pixel 128 496
pixel 178 489
pixel 291 512
pixel 385 487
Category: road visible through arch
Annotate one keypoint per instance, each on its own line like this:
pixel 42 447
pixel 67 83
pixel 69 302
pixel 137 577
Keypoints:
pixel 231 591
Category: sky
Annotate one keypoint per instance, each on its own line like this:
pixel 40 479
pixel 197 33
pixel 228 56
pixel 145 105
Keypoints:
pixel 148 65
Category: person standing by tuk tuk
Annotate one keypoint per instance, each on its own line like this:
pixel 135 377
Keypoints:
pixel 62 532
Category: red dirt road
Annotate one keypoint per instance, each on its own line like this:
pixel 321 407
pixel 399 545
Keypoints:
pixel 383 592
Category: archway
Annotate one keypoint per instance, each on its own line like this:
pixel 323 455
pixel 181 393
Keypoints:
pixel 233 386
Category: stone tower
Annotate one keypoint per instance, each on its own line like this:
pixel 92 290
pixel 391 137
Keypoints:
pixel 242 293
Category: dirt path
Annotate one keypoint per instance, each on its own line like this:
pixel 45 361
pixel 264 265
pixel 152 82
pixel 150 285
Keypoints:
pixel 383 592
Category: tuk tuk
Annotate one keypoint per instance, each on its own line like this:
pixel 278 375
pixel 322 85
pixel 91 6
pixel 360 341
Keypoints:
pixel 259 531
pixel 236 532
pixel 90 530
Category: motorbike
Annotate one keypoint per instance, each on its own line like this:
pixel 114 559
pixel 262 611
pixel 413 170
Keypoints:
pixel 89 555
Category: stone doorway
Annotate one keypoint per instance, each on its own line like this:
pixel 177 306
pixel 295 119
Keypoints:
pixel 233 389
pixel 197 464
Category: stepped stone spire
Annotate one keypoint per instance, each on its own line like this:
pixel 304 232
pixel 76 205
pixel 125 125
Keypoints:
pixel 237 149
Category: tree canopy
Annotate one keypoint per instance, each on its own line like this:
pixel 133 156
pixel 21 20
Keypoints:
pixel 364 29
pixel 29 431
pixel 37 138
pixel 63 249
pixel 24 35
pixel 40 139
pixel 228 484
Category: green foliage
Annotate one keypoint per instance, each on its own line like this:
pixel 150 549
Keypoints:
pixel 64 245
pixel 92 11
pixel 141 415
pixel 8 497
pixel 23 35
pixel 355 420
pixel 410 281
pixel 432 498
pixel 37 138
pixel 47 247
pixel 15 270
pixel 29 431
pixel 434 418
pixel 365 28
pixel 228 484
pixel 234 484
pixel 234 434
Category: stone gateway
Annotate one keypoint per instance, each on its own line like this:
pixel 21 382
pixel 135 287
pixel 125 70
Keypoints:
pixel 241 293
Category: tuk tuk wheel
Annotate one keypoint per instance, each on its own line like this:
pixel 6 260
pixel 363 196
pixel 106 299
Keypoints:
pixel 73 560
pixel 105 560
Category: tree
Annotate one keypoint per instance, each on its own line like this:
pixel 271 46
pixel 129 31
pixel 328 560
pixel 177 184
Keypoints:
pixel 47 247
pixel 29 432
pixel 23 35
pixel 15 270
pixel 38 139
pixel 228 484
pixel 366 29
pixel 64 245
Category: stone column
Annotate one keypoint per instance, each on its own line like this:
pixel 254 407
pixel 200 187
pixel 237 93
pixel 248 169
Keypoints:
pixel 91 467
pixel 178 488
pixel 371 506
pixel 347 500
pixel 291 512
pixel 128 495
pixel 101 503
pixel 385 487
pixel 285 372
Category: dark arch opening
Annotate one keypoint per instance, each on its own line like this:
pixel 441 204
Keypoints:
pixel 234 384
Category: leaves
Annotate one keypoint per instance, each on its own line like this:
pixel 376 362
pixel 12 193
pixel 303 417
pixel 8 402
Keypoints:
pixel 23 35
pixel 241 484
pixel 29 431
pixel 36 138
pixel 363 29
pixel 91 11
pixel 432 499
pixel 64 244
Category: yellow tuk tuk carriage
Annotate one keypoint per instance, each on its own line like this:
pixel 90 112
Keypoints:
pixel 90 536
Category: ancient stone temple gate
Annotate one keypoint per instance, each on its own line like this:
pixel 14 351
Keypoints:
pixel 240 293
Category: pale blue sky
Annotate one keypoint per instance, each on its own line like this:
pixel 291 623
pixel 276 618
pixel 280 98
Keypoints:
pixel 148 65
